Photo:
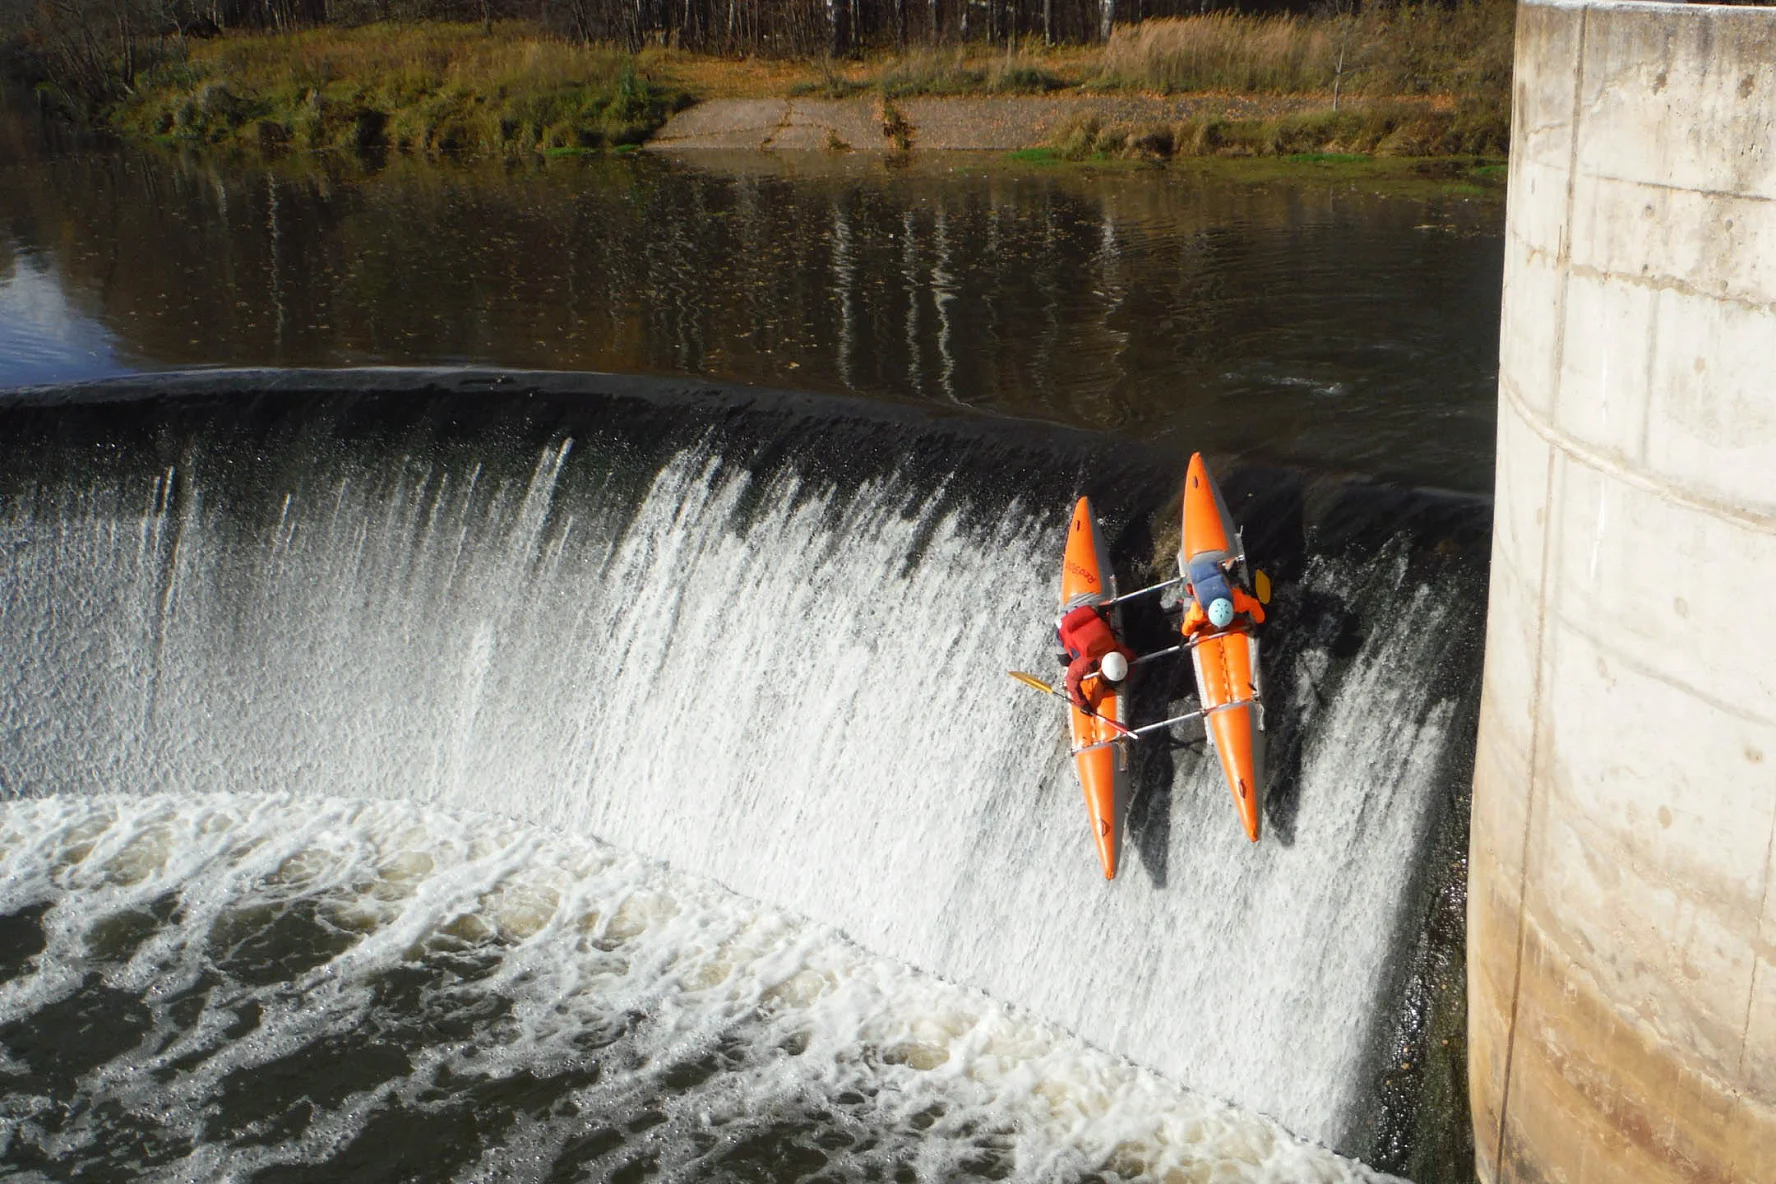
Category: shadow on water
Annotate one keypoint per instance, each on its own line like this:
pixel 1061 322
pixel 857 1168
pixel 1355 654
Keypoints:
pixel 1147 629
pixel 1308 615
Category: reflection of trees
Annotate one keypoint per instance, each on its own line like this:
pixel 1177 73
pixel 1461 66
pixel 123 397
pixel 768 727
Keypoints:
pixel 1042 295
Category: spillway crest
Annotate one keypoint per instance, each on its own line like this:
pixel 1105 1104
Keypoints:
pixel 765 641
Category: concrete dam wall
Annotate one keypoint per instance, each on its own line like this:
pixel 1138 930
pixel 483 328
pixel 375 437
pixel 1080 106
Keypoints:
pixel 1622 906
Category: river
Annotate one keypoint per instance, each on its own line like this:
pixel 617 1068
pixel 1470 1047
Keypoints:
pixel 455 771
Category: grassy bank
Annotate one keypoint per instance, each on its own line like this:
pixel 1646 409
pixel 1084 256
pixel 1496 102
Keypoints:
pixel 1384 128
pixel 1409 80
pixel 431 87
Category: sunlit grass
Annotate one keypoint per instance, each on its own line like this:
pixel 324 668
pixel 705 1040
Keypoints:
pixel 1360 131
pixel 1414 79
pixel 425 87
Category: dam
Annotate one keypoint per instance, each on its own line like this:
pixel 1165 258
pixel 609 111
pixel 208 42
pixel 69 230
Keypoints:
pixel 1622 980
pixel 351 810
pixel 339 587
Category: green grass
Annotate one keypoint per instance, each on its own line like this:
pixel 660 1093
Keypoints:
pixel 427 88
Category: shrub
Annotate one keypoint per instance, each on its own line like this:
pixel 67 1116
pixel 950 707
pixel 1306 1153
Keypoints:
pixel 422 88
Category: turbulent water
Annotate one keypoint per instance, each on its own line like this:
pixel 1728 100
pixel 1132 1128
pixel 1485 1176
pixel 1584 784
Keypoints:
pixel 306 988
pixel 763 644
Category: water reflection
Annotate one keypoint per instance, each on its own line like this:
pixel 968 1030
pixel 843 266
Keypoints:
pixel 42 337
pixel 1294 319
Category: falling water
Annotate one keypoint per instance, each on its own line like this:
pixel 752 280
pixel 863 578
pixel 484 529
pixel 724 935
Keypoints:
pixel 767 651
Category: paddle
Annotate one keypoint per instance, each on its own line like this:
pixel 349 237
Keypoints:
pixel 1036 684
pixel 1261 585
pixel 1137 733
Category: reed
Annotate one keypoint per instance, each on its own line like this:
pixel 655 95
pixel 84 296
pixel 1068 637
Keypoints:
pixel 1224 52
pixel 1386 49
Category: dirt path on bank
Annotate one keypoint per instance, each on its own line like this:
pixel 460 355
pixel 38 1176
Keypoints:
pixel 997 123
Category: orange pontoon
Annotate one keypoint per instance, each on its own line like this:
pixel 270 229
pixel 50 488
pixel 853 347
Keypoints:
pixel 1103 766
pixel 1227 676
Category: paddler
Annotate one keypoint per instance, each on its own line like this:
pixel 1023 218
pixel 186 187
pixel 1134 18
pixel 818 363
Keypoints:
pixel 1215 599
pixel 1093 651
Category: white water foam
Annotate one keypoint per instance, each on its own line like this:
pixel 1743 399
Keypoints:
pixel 795 691
pixel 581 936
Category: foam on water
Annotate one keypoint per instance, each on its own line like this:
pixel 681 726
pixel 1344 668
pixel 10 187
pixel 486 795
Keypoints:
pixel 592 1008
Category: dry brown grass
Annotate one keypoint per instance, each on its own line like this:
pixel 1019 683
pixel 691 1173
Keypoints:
pixel 1029 68
pixel 704 76
pixel 1223 51
pixel 407 57
pixel 1407 49
pixel 1385 127
pixel 433 86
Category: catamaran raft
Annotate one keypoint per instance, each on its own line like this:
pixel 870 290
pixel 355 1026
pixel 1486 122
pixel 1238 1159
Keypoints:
pixel 1222 607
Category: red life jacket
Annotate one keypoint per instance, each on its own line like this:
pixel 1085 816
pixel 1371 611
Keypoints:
pixel 1085 633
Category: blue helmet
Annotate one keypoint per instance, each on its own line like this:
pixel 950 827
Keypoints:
pixel 1221 612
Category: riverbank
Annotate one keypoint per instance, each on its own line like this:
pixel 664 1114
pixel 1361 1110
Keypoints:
pixel 1381 84
pixel 419 88
pixel 1081 127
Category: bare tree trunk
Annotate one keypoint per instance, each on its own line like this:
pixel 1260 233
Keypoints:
pixel 126 46
pixel 1108 17
pixel 1048 37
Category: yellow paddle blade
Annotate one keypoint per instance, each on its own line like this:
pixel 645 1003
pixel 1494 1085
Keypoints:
pixel 1261 582
pixel 1031 681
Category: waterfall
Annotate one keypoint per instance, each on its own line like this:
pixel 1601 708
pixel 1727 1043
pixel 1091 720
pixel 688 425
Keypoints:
pixel 766 647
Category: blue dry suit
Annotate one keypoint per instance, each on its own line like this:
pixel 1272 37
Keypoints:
pixel 1208 583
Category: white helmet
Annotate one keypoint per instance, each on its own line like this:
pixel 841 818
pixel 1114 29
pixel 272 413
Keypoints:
pixel 1115 667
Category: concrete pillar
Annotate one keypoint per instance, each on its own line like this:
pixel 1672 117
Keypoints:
pixel 1622 904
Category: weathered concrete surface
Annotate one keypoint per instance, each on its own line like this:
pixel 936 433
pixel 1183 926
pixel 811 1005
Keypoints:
pixel 996 123
pixel 1622 912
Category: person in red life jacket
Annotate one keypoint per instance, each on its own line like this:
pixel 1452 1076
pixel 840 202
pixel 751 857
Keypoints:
pixel 1215 600
pixel 1092 652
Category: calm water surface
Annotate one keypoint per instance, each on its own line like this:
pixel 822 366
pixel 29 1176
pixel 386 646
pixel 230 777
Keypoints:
pixel 1302 319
